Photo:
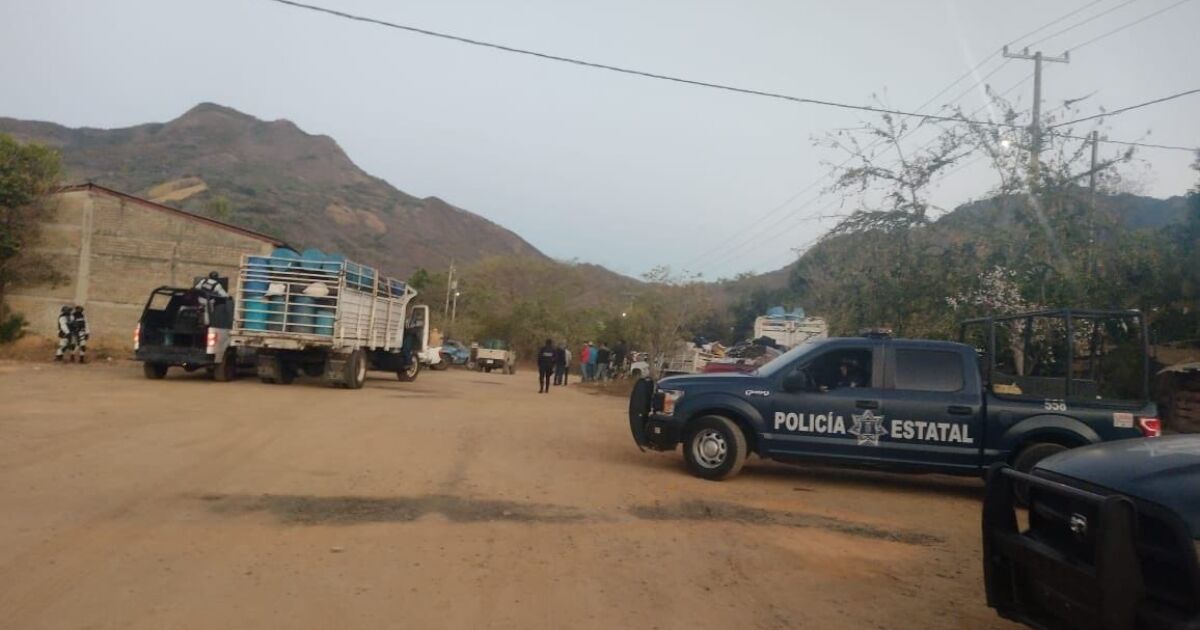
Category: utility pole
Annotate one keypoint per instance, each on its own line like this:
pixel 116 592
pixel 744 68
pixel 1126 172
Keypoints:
pixel 1035 126
pixel 1092 203
pixel 450 286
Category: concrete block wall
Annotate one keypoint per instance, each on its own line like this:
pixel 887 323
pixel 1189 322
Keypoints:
pixel 113 251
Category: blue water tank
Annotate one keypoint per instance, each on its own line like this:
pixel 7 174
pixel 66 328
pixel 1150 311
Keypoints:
pixel 254 312
pixel 300 314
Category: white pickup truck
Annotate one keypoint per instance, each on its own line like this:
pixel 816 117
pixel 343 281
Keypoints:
pixel 494 355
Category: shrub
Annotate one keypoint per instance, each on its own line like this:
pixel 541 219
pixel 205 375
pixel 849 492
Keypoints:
pixel 12 327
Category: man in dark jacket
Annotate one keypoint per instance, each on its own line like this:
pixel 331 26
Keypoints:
pixel 545 361
pixel 605 355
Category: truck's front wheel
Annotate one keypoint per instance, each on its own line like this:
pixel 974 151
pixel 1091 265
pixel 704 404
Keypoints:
pixel 714 448
pixel 409 373
pixel 356 370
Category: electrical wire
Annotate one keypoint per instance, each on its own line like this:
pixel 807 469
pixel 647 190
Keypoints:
pixel 1126 109
pixel 1129 25
pixel 622 70
pixel 1081 23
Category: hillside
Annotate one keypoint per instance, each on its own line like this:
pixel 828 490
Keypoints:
pixel 274 177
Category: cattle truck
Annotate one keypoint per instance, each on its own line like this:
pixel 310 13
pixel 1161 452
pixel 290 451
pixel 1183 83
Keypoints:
pixel 327 318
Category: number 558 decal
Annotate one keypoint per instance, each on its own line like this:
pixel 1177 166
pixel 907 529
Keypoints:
pixel 1055 405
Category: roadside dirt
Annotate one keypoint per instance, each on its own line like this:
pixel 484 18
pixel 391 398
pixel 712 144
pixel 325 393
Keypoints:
pixel 462 500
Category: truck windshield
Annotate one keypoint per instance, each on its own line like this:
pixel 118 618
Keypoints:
pixel 789 358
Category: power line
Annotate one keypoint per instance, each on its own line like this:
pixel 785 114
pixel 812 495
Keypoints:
pixel 1131 24
pixel 1126 109
pixel 619 69
pixel 1144 145
pixel 995 53
pixel 1081 23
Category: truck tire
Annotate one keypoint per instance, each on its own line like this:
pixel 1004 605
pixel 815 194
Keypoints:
pixel 1026 459
pixel 287 372
pixel 409 374
pixel 226 370
pixel 355 374
pixel 443 364
pixel 714 448
pixel 154 371
pixel 1031 454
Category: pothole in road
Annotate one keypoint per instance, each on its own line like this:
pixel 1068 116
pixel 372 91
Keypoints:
pixel 730 512
pixel 314 510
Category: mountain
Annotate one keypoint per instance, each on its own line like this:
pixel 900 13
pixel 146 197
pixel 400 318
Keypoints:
pixel 985 217
pixel 273 177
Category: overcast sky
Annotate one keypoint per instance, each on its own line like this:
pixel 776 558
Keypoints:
pixel 620 170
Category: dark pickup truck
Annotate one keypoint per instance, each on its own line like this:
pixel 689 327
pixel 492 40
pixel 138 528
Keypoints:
pixel 183 327
pixel 1111 541
pixel 1029 386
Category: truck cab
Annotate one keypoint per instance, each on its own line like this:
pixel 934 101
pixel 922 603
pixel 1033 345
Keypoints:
pixel 902 404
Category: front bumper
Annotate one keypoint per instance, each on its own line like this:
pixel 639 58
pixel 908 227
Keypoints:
pixel 663 432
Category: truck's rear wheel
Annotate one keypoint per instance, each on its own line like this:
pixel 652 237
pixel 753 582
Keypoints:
pixel 443 364
pixel 355 374
pixel 226 370
pixel 154 371
pixel 287 372
pixel 409 374
pixel 1026 459
pixel 714 448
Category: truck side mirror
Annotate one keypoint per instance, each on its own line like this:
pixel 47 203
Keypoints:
pixel 798 381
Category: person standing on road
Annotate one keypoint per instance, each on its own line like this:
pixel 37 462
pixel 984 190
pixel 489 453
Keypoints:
pixel 64 332
pixel 545 361
pixel 603 356
pixel 583 362
pixel 560 364
pixel 593 361
pixel 566 355
pixel 619 352
pixel 79 334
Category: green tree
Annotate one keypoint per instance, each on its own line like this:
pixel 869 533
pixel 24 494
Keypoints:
pixel 220 209
pixel 419 279
pixel 28 173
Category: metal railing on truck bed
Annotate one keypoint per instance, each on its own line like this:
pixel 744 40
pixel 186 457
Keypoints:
pixel 300 303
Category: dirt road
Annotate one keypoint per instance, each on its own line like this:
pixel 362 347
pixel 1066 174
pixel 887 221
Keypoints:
pixel 459 501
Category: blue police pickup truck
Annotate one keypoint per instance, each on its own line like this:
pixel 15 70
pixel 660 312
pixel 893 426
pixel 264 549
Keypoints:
pixel 1024 387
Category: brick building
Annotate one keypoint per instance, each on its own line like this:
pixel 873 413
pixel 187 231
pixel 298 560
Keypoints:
pixel 114 248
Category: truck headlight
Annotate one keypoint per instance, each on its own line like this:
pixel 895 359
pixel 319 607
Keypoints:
pixel 669 398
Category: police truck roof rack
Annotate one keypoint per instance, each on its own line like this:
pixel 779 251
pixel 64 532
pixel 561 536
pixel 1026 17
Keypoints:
pixel 875 333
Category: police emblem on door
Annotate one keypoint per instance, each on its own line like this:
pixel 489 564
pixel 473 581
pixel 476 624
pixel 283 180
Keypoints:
pixel 867 427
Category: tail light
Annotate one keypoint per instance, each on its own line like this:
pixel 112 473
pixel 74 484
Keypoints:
pixel 137 337
pixel 1151 427
pixel 212 341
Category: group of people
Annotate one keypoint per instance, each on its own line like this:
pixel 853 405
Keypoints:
pixel 73 334
pixel 597 363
